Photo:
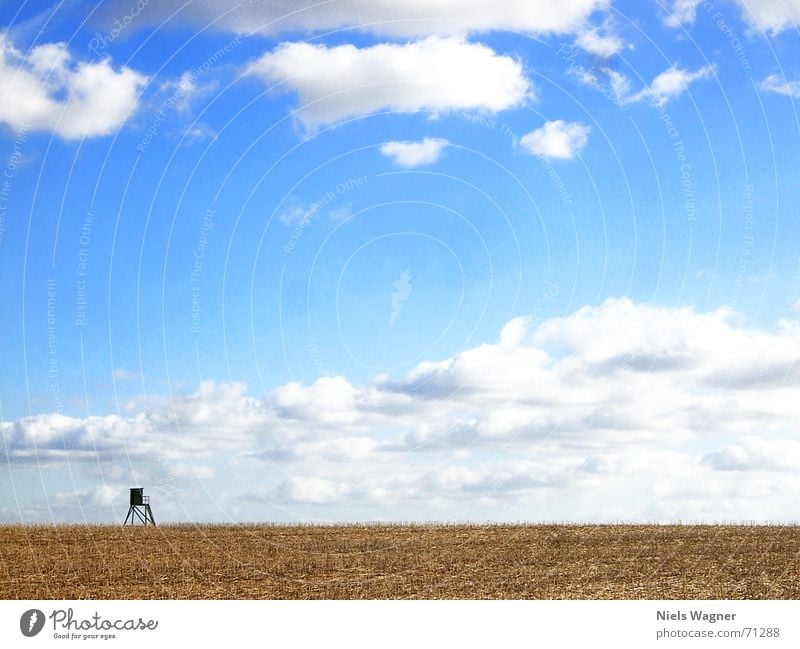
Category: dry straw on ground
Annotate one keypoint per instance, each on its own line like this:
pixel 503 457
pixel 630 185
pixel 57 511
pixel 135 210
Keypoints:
pixel 377 562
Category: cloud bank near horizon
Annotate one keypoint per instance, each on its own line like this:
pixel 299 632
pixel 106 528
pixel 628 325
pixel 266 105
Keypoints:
pixel 617 411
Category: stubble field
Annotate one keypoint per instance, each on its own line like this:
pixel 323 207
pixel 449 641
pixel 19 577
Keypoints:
pixel 400 561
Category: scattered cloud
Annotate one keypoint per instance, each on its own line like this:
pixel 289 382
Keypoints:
pixel 121 374
pixel 603 46
pixel 780 85
pixel 48 90
pixel 436 75
pixel 411 154
pixel 392 18
pixel 186 90
pixel 614 84
pixel 198 132
pixel 682 12
pixel 297 212
pixel 639 408
pixel 620 84
pixel 556 139
pixel 342 213
pixel 670 84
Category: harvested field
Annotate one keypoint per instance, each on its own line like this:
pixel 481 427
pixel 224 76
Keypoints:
pixel 399 561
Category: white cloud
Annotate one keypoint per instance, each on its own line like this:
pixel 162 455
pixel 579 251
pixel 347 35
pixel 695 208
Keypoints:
pixel 102 496
pixel 192 471
pixel 557 139
pixel 594 43
pixel 670 84
pixel 414 153
pixel 198 132
pixel 312 490
pixel 342 213
pixel 780 85
pixel 121 374
pixel 635 411
pixel 615 85
pixel 106 495
pixel 682 12
pixel 394 18
pixel 47 90
pixel 187 89
pixel 756 454
pixel 341 82
pixel 296 212
pixel 771 16
pixel 216 415
pixel 620 84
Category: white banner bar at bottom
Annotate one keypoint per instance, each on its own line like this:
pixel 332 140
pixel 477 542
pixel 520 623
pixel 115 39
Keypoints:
pixel 401 624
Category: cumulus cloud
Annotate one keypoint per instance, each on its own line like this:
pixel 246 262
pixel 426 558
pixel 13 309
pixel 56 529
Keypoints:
pixel 48 90
pixel 341 82
pixel 780 85
pixel 414 153
pixel 556 139
pixel 638 411
pixel 216 415
pixel 393 18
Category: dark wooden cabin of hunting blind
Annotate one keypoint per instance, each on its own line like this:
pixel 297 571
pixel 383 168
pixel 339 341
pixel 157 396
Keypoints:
pixel 139 508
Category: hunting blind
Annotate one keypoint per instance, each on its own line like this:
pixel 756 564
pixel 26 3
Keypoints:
pixel 140 508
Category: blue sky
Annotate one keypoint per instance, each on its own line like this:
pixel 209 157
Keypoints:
pixel 355 261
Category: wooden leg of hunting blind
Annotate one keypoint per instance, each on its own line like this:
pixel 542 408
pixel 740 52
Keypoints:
pixel 143 515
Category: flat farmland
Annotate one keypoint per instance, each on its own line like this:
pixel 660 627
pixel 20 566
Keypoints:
pixel 400 561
